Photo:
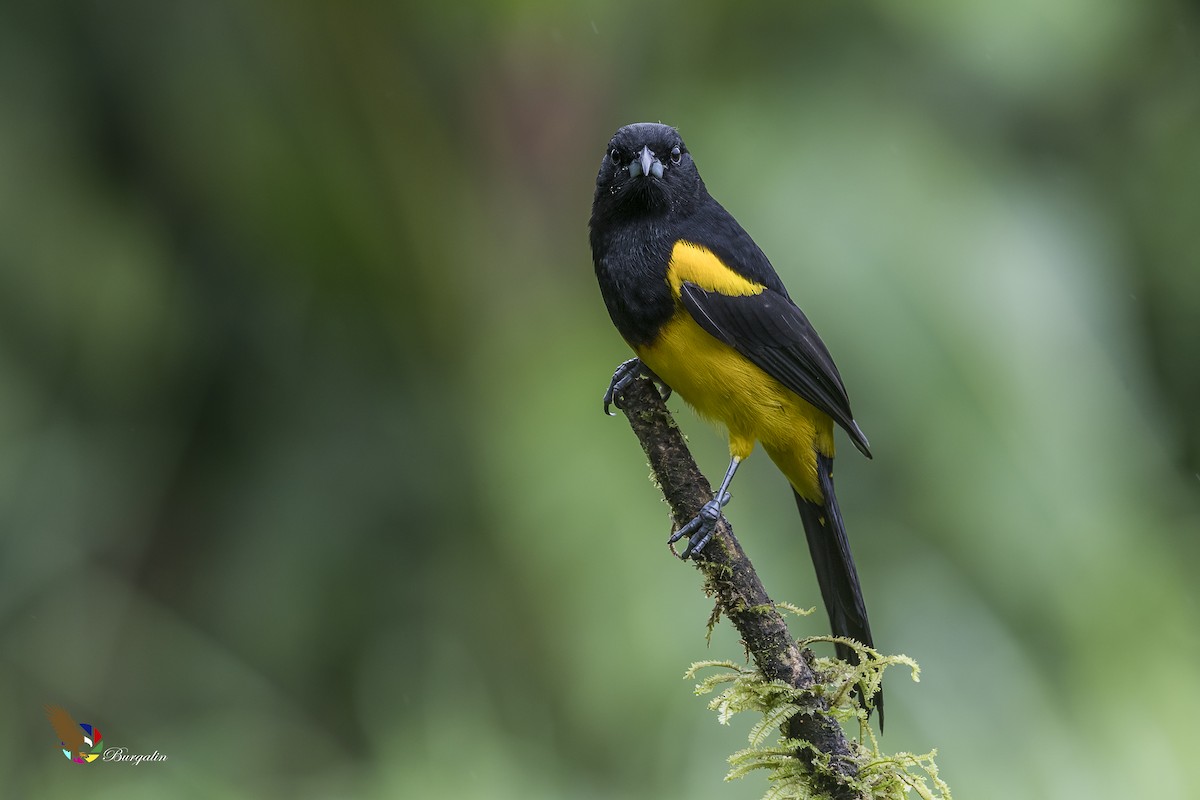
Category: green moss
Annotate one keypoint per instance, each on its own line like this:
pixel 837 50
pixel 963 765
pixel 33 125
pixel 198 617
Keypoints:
pixel 764 608
pixel 794 609
pixel 737 688
pixel 713 619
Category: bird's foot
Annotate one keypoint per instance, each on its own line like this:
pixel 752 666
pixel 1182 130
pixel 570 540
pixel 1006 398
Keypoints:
pixel 700 529
pixel 628 372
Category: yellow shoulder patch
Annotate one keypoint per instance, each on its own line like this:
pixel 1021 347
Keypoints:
pixel 696 264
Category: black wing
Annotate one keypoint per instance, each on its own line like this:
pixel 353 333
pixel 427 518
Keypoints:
pixel 774 334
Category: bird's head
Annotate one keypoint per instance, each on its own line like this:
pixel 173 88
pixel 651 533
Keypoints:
pixel 646 168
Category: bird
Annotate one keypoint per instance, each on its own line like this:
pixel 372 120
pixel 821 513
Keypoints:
pixel 68 730
pixel 709 318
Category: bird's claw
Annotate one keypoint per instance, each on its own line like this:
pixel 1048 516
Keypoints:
pixel 700 528
pixel 625 374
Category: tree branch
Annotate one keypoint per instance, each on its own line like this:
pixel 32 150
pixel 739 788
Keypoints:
pixel 740 595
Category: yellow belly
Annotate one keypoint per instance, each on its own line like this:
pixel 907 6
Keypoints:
pixel 723 386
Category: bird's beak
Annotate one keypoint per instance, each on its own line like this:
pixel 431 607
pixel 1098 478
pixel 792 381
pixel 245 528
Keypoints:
pixel 646 164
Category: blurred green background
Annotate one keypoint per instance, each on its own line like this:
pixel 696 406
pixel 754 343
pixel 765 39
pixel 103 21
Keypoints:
pixel 303 476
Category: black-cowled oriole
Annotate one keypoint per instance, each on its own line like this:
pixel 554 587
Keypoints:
pixel 709 318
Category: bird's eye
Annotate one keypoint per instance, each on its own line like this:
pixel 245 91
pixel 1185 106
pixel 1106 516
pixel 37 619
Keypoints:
pixel 676 155
pixel 614 155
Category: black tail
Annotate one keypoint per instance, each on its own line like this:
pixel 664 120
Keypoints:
pixel 836 575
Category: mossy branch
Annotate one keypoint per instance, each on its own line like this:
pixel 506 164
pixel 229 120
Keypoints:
pixel 731 579
pixel 805 698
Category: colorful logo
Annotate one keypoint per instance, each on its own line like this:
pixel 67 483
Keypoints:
pixel 80 742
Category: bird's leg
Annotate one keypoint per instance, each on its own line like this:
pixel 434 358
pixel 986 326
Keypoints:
pixel 700 529
pixel 626 373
